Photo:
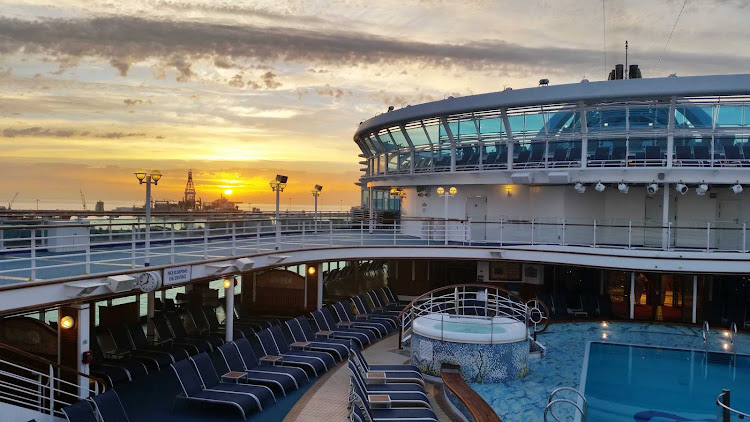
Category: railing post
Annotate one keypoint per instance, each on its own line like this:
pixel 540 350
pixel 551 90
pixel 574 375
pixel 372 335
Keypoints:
pixel 467 232
pixel 726 399
pixel 708 236
pixel 594 233
pixel 171 244
pixel 563 232
pixel 669 235
pixel 257 236
pixel 630 234
pixel 2 240
pixel 303 236
pixel 132 246
pixel 361 233
pixel 501 231
pixel 33 254
pixel 744 232
pixel 51 392
pixel 87 270
pixel 205 239
pixel 532 231
pixel 234 238
pixel 330 230
pixel 110 229
pixel 394 232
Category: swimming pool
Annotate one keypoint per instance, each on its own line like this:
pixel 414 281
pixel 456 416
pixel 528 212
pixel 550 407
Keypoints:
pixel 642 383
pixel 523 399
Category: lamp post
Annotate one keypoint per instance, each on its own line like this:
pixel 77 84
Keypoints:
pixel 148 179
pixel 316 194
pixel 369 208
pixel 451 192
pixel 278 186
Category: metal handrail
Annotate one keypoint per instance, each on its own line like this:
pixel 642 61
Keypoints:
pixel 497 302
pixel 733 337
pixel 705 330
pixel 551 401
pixel 725 411
pixel 45 392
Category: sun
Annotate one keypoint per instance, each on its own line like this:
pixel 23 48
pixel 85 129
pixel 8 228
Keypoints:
pixel 227 192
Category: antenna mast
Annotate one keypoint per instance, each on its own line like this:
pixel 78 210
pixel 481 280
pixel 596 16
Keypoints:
pixel 626 59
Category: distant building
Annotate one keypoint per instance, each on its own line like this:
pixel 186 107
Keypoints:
pixel 99 206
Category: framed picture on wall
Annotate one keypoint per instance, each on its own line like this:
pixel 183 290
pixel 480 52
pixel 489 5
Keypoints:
pixel 505 271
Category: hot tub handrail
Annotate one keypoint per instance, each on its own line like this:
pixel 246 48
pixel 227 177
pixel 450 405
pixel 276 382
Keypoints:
pixel 513 302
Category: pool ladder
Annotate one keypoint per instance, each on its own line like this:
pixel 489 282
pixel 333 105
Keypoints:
pixel 583 409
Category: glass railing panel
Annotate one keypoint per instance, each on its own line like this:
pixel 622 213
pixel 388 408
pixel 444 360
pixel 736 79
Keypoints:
pixel 647 151
pixel 564 154
pixel 612 152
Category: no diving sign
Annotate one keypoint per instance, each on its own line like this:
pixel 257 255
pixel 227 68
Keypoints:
pixel 177 275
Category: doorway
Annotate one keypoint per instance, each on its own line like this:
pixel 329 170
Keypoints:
pixel 476 211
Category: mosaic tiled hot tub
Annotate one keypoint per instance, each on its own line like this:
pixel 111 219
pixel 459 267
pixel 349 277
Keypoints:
pixel 489 350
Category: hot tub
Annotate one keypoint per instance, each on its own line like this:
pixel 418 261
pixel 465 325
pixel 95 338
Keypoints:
pixel 468 329
pixel 489 350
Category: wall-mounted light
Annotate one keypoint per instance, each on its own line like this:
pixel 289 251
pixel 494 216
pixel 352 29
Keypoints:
pixel 67 322
pixel 227 283
pixel 600 187
pixel 579 187
pixel 652 188
pixel 509 191
pixel 736 188
pixel 701 189
pixel 623 187
pixel 311 270
pixel 681 188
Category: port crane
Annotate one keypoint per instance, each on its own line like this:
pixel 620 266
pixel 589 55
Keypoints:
pixel 83 200
pixel 10 204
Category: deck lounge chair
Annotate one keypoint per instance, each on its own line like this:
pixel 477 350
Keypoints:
pixel 399 398
pixel 347 318
pixel 601 155
pixel 558 157
pixel 209 313
pixel 310 335
pixel 313 366
pixel 208 376
pixel 392 299
pixel 393 414
pixel 178 328
pixel 379 300
pixel 132 367
pixel 252 363
pixel 286 348
pixel 337 350
pixel 164 330
pixel 125 347
pixel 109 407
pixel 280 383
pixel 522 158
pixel 140 341
pixel 363 308
pixel 390 377
pixel 326 323
pixel 193 391
pixel 357 354
pixel 80 412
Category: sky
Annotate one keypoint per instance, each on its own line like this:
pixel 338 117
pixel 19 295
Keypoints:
pixel 239 91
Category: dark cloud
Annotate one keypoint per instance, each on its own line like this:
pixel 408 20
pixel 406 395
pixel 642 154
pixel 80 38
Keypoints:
pixel 160 137
pixel 327 90
pixel 118 135
pixel 269 80
pixel 38 131
pixel 236 81
pixel 124 40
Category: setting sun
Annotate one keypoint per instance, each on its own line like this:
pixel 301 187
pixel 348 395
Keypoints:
pixel 227 192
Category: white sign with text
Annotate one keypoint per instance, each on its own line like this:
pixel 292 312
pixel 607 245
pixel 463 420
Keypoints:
pixel 176 275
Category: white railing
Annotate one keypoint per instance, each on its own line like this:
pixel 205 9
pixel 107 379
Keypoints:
pixel 42 390
pixel 31 252
pixel 477 301
pixel 725 411
pixel 579 404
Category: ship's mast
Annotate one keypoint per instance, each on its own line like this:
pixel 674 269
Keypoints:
pixel 189 199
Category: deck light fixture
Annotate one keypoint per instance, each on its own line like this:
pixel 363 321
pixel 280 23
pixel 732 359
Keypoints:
pixel 278 186
pixel 623 187
pixel 316 193
pixel 604 324
pixel 736 188
pixel 149 179
pixel 652 188
pixel 311 270
pixel 701 189
pixel 580 187
pixel 67 322
pixel 600 187
pixel 452 191
pixel 681 188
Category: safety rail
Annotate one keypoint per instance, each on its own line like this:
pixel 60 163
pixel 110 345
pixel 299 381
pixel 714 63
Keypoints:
pixel 45 390
pixel 704 331
pixel 581 405
pixel 733 338
pixel 30 252
pixel 475 300
pixel 725 411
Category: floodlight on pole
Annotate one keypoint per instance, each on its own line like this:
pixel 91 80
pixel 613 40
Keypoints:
pixel 278 185
pixel 148 178
pixel 316 193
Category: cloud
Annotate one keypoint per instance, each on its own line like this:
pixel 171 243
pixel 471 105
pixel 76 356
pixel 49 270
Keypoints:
pixel 269 80
pixel 129 102
pixel 118 135
pixel 327 90
pixel 236 81
pixel 37 131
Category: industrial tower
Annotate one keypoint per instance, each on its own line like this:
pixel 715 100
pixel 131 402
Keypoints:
pixel 189 200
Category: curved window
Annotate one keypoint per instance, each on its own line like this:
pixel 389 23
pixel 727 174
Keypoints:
pixel 648 118
pixel 694 117
pixel 604 120
pixel 729 116
pixel 491 128
pixel 417 135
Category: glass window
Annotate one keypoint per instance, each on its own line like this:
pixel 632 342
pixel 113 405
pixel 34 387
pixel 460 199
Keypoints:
pixel 423 160
pixel 534 124
pixel 598 120
pixel 381 163
pixel 466 130
pixel 370 143
pixel 387 141
pixel 398 137
pixel 392 161
pixel 417 136
pixel 647 118
pixel 491 128
pixel 694 117
pixel 516 125
pixel 562 122
pixel 434 129
pixel 729 116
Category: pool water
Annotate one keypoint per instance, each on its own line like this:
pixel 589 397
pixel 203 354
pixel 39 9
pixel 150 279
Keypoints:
pixel 469 328
pixel 649 384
